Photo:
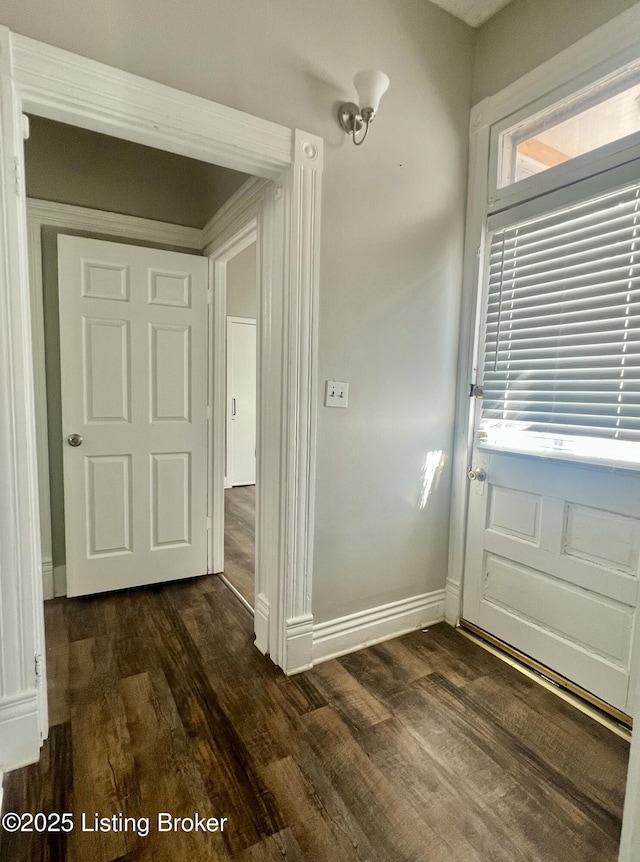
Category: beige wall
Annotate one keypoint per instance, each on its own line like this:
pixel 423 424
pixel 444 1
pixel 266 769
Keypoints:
pixel 242 295
pixel 74 166
pixel 527 32
pixel 392 232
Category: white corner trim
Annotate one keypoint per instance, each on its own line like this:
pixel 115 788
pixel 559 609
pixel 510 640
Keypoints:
pixel 365 628
pixel 234 218
pixel 299 644
pixel 452 608
pixel 19 730
pixel 114 224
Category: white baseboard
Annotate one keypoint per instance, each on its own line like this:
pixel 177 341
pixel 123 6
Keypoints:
pixel 19 730
pixel 452 607
pixel 299 645
pixel 48 591
pixel 365 628
pixel 59 581
pixel 261 623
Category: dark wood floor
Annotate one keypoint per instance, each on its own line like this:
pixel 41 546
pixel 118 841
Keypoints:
pixel 239 539
pixel 425 748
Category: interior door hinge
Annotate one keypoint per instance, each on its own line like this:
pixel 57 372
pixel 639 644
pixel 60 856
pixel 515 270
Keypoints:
pixel 475 391
pixel 209 524
pixel 26 128
pixel 209 296
pixel 38 668
pixel 19 175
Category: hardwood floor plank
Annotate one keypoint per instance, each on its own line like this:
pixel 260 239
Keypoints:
pixel 345 694
pixel 57 651
pixel 548 727
pixel 168 778
pixel 275 848
pixel 321 833
pixel 394 829
pixel 464 819
pixel 224 761
pixel 568 822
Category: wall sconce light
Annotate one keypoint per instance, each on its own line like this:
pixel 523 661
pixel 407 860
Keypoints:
pixel 371 85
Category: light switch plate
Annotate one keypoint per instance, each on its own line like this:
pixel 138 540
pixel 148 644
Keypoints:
pixel 336 394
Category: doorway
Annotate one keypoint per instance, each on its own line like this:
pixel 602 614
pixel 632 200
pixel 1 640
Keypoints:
pixel 241 409
pixel 45 81
pixel 143 266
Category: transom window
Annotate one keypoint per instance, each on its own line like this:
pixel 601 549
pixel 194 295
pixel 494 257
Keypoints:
pixel 605 112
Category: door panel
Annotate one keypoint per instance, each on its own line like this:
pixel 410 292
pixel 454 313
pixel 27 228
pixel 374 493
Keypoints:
pixel 553 554
pixel 133 352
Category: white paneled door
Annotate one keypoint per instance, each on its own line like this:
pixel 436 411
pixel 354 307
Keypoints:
pixel 552 563
pixel 241 401
pixel 133 356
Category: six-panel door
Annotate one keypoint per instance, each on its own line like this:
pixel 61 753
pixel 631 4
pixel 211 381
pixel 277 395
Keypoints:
pixel 133 354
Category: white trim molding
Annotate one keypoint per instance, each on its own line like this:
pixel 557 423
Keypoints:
pixel 365 628
pixel 19 729
pixel 21 602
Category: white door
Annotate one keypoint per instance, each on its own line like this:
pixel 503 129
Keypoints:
pixel 241 401
pixel 133 356
pixel 553 542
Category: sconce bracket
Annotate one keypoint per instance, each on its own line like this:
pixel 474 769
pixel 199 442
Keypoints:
pixel 350 117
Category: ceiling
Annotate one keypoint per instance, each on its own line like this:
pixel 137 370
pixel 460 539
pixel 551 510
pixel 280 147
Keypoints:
pixel 474 12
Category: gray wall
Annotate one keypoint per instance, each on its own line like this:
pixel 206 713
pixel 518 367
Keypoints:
pixel 527 32
pixel 242 295
pixel 392 232
pixel 74 166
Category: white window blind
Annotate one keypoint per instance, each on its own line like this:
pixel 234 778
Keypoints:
pixel 561 363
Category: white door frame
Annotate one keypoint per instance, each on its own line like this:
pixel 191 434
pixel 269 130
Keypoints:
pixel 233 228
pixel 49 82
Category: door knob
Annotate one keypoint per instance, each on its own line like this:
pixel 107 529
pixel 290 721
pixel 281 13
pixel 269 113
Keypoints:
pixel 477 475
pixel 74 440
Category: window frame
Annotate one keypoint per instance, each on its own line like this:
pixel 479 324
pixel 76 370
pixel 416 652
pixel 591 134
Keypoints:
pixel 581 167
